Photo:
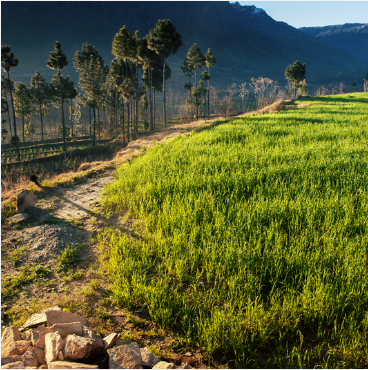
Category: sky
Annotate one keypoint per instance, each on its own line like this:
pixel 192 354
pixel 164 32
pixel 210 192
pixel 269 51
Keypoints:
pixel 314 13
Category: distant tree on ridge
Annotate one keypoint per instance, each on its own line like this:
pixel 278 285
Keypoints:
pixel 296 74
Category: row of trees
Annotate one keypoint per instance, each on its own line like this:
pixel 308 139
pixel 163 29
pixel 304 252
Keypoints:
pixel 115 89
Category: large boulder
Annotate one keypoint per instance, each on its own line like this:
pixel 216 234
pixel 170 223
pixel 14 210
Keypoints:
pixel 77 348
pixel 25 199
pixel 58 317
pixel 127 356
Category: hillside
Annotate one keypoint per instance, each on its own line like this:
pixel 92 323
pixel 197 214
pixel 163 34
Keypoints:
pixel 244 39
pixel 351 38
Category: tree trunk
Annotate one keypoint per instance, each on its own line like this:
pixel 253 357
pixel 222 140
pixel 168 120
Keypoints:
pixel 99 125
pixel 71 113
pixel 14 121
pixel 128 113
pixel 94 126
pixel 10 126
pixel 62 114
pixel 41 123
pixel 164 91
pixel 90 123
pixel 136 101
pixel 23 129
pixel 195 86
pixel 150 97
pixel 122 101
pixel 154 108
pixel 208 95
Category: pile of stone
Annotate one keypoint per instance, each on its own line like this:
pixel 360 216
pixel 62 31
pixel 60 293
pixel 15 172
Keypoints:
pixel 68 343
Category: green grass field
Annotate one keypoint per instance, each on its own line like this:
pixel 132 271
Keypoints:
pixel 252 236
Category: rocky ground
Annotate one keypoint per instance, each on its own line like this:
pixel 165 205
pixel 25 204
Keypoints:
pixel 51 258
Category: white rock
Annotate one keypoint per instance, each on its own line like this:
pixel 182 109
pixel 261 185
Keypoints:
pixel 53 344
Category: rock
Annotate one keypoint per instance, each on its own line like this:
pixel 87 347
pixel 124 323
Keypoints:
pixel 43 366
pixel 110 340
pixel 10 359
pixel 77 348
pixel 148 359
pixel 121 342
pixel 19 217
pixel 53 344
pixel 70 365
pixel 24 200
pixel 58 317
pixel 65 329
pixel 8 339
pixel 38 337
pixel 61 356
pixel 14 365
pixel 29 358
pixel 127 356
pixel 98 344
pixel 38 318
pixel 27 335
pixel 164 365
pixel 34 356
pixel 186 366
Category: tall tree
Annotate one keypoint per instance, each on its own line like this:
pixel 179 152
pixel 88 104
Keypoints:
pixel 9 60
pixel 122 76
pixel 22 103
pixel 188 71
pixel 164 41
pixel 4 100
pixel 195 61
pixel 296 74
pixel 210 62
pixel 92 74
pixel 148 59
pixel 57 60
pixel 125 46
pixel 41 96
pixel 62 88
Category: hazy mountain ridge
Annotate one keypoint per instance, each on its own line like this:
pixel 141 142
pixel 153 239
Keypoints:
pixel 349 37
pixel 245 40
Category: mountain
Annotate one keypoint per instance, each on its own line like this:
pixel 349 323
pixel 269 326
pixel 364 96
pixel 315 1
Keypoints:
pixel 246 41
pixel 351 38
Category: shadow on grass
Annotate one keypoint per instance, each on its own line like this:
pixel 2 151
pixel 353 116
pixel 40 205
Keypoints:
pixel 334 99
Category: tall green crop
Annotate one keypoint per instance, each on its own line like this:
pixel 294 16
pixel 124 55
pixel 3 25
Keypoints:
pixel 252 236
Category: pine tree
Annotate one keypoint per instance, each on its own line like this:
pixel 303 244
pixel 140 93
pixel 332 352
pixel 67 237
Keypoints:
pixel 92 74
pixel 164 41
pixel 4 100
pixel 9 60
pixel 195 60
pixel 149 60
pixel 57 60
pixel 210 62
pixel 125 46
pixel 23 104
pixel 62 88
pixel 41 96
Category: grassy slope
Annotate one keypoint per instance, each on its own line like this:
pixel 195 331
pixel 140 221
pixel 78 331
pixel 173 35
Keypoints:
pixel 253 236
